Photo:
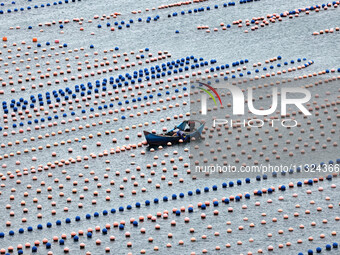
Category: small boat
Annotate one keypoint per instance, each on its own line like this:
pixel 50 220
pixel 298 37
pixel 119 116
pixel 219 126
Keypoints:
pixel 184 131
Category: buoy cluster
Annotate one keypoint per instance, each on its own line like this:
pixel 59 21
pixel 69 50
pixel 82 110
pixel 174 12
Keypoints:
pixel 270 198
pixel 77 176
pixel 261 22
pixel 108 64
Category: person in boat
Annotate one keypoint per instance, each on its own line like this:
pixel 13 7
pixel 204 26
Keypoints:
pixel 179 133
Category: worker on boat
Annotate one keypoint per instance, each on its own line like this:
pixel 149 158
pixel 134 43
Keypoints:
pixel 179 133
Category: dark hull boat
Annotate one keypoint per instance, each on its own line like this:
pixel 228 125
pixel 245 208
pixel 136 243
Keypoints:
pixel 183 133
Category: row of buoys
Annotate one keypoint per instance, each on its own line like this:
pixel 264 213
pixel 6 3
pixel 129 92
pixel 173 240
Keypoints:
pixel 2 4
pixel 21 9
pixel 201 9
pixel 326 31
pixel 165 6
pixel 171 5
